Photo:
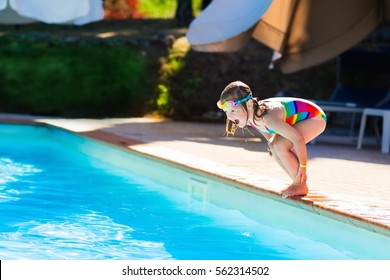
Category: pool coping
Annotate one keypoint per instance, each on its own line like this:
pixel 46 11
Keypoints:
pixel 338 210
pixel 312 203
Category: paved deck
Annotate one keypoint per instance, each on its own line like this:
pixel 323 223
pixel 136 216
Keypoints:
pixel 345 183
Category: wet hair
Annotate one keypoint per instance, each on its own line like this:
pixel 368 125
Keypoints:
pixel 238 90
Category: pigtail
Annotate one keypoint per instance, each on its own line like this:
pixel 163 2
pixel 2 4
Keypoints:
pixel 231 127
pixel 263 106
pixel 260 104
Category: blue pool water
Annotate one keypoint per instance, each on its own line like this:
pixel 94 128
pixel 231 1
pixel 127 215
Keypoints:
pixel 63 196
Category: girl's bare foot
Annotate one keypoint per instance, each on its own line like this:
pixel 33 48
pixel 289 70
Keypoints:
pixel 293 190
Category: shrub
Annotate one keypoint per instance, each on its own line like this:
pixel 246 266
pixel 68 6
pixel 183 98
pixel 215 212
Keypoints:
pixel 84 79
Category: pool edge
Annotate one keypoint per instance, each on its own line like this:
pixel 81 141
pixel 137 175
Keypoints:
pixel 308 203
pixel 312 203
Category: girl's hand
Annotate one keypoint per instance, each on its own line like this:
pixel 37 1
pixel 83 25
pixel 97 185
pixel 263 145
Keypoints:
pixel 270 143
pixel 301 177
pixel 269 151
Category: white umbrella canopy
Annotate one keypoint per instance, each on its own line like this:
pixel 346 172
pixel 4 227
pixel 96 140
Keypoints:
pixel 10 16
pixel 225 19
pixel 303 33
pixel 3 4
pixel 95 13
pixel 52 12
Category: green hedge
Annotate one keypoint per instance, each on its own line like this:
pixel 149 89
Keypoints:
pixel 79 79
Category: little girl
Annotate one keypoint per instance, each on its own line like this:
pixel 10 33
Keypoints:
pixel 287 123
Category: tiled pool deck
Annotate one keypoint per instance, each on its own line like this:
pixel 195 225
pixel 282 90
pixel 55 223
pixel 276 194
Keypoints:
pixel 345 183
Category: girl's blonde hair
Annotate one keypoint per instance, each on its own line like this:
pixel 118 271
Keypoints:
pixel 238 90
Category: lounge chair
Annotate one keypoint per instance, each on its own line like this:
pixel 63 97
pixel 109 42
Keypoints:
pixel 352 99
pixel 383 111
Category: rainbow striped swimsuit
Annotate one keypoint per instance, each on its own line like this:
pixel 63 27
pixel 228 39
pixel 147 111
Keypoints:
pixel 298 110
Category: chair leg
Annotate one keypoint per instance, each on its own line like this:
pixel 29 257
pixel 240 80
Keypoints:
pixel 386 133
pixel 353 117
pixel 378 129
pixel 361 131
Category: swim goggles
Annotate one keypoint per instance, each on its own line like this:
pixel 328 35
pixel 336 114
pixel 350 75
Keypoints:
pixel 232 103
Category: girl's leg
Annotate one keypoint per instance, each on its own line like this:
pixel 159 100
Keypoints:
pixel 282 150
pixel 275 155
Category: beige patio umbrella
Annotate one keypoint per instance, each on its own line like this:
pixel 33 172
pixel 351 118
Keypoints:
pixel 303 33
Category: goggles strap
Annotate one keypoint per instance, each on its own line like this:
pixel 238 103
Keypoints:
pixel 234 102
pixel 243 99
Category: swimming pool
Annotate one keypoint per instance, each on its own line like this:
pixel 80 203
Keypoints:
pixel 63 196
